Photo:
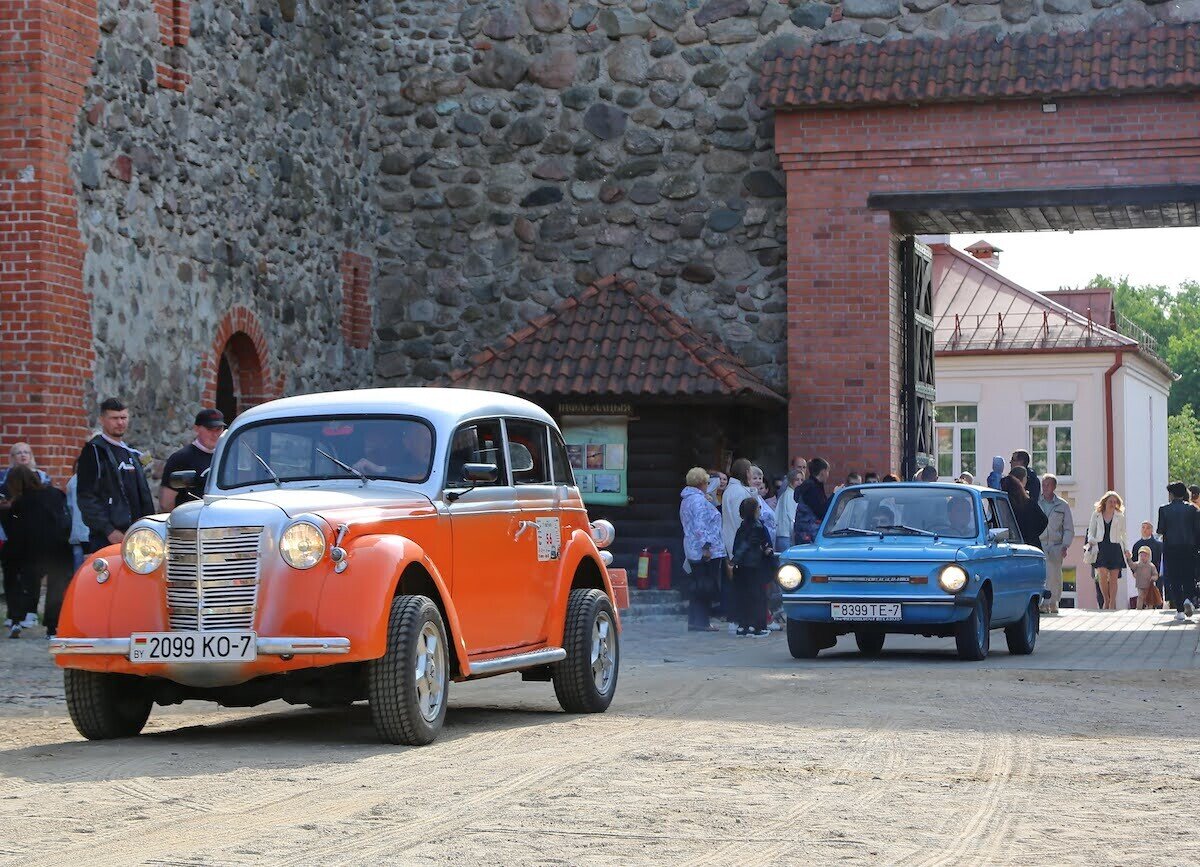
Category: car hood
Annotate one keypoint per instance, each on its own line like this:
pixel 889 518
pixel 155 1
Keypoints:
pixel 219 510
pixel 891 549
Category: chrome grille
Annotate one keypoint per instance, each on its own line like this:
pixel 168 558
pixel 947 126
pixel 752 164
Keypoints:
pixel 212 577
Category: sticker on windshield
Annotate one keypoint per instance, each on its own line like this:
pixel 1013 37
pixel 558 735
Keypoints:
pixel 548 539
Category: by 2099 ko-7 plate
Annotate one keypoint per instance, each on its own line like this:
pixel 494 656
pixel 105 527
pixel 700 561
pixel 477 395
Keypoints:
pixel 232 646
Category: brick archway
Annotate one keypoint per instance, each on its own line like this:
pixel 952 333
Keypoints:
pixel 238 367
pixel 883 140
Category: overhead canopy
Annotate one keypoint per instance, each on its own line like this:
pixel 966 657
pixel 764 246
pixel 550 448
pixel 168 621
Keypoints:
pixel 614 340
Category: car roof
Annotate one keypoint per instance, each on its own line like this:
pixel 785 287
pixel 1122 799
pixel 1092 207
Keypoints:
pixel 444 407
pixel 953 486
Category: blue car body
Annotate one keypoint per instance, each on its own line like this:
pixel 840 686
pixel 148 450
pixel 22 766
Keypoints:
pixel 863 575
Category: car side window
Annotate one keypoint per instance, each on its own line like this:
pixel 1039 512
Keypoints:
pixel 560 460
pixel 990 517
pixel 1009 519
pixel 477 442
pixel 527 447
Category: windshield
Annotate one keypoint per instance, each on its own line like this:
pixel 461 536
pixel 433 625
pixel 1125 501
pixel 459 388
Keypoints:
pixel 893 509
pixel 285 450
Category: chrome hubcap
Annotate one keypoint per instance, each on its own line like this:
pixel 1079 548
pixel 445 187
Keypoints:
pixel 604 653
pixel 430 672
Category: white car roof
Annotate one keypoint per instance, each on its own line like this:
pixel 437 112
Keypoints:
pixel 443 407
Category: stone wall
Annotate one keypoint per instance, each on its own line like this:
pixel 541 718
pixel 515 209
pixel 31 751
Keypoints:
pixel 242 191
pixel 528 147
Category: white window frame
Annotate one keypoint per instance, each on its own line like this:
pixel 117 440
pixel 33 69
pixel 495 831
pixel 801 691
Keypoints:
pixel 1052 427
pixel 956 428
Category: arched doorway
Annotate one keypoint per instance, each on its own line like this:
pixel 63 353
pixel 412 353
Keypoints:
pixel 240 378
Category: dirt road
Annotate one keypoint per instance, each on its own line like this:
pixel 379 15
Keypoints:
pixel 717 751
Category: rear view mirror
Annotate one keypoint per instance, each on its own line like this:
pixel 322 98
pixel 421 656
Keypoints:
pixel 483 474
pixel 996 535
pixel 182 480
pixel 519 458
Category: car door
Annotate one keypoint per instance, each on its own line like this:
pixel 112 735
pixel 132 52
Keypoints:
pixel 483 519
pixel 1008 584
pixel 538 535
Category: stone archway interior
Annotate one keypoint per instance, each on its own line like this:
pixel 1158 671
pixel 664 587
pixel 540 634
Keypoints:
pixel 240 378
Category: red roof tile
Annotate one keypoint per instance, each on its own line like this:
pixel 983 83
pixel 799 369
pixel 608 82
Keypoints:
pixel 1165 57
pixel 613 339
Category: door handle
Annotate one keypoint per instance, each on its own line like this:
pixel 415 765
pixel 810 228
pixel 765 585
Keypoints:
pixel 522 526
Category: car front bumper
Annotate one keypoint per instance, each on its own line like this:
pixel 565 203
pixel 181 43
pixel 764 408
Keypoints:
pixel 914 611
pixel 266 646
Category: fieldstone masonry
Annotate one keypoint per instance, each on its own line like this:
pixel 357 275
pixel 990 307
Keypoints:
pixel 487 158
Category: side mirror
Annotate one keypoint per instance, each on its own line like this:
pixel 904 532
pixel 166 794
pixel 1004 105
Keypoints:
pixel 485 474
pixel 182 480
pixel 996 535
pixel 519 458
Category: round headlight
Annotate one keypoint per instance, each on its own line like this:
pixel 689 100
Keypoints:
pixel 302 545
pixel 143 550
pixel 952 578
pixel 789 577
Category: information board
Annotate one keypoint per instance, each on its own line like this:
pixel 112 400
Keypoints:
pixel 596 446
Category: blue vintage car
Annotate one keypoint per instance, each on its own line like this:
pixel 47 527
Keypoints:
pixel 918 558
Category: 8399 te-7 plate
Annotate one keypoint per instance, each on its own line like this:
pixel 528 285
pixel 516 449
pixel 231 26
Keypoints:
pixel 233 646
pixel 865 610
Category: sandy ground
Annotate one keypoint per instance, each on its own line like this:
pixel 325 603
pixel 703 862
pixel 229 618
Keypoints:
pixel 717 751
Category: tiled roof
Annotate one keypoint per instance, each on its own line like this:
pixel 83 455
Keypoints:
pixel 975 308
pixel 613 339
pixel 1165 57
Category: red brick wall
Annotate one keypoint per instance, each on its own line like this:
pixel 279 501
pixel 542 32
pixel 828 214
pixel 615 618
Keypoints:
pixel 46 356
pixel 174 28
pixel 843 343
pixel 356 300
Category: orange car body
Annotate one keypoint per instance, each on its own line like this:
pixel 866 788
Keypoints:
pixel 500 561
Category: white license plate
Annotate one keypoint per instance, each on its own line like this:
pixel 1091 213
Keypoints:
pixel 865 610
pixel 193 647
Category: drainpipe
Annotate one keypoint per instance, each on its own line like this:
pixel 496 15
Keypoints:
pixel 1109 423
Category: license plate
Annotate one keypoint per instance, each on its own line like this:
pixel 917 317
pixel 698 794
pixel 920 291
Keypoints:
pixel 865 610
pixel 193 647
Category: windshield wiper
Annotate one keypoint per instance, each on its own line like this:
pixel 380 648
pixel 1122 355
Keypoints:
pixel 916 530
pixel 266 466
pixel 345 466
pixel 859 531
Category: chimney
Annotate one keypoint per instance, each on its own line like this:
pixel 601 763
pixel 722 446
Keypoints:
pixel 986 253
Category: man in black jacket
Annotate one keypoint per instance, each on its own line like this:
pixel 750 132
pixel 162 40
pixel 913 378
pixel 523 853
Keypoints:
pixel 812 491
pixel 112 488
pixel 1179 527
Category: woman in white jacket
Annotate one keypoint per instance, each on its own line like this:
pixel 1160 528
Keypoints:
pixel 1106 533
pixel 785 510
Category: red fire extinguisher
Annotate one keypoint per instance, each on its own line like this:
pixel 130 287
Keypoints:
pixel 664 570
pixel 643 572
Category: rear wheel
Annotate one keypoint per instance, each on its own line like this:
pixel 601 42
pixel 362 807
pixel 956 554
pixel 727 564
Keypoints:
pixel 106 706
pixel 1022 635
pixel 803 640
pixel 973 636
pixel 586 681
pixel 408 686
pixel 870 643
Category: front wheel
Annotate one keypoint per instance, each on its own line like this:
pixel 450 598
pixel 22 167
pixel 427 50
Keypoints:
pixel 803 640
pixel 586 681
pixel 106 706
pixel 870 643
pixel 1022 635
pixel 973 636
pixel 409 685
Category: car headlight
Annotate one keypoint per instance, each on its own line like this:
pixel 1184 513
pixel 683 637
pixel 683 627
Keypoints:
pixel 952 578
pixel 143 550
pixel 789 577
pixel 302 545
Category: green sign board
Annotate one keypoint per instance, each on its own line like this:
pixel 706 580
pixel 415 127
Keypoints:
pixel 596 445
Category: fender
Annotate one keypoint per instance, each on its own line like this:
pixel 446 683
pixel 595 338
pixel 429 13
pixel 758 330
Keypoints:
pixel 579 547
pixel 357 602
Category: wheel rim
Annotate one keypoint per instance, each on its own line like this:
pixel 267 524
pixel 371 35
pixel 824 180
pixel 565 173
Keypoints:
pixel 430 672
pixel 981 627
pixel 1031 627
pixel 604 653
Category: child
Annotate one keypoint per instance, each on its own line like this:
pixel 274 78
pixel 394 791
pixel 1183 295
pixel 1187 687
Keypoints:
pixel 753 560
pixel 1144 576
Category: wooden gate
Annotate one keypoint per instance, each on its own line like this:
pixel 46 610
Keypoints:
pixel 917 393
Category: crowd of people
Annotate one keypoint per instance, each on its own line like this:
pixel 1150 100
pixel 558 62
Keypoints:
pixel 45 532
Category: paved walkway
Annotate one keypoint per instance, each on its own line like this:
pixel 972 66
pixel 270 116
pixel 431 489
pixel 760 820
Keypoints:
pixel 1074 641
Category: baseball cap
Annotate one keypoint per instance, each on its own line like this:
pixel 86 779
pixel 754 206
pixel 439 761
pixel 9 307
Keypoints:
pixel 210 418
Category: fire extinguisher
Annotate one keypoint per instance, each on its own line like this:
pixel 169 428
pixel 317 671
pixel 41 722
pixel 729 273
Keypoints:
pixel 643 572
pixel 664 570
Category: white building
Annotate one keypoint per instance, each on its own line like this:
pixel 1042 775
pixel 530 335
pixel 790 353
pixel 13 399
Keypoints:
pixel 1051 374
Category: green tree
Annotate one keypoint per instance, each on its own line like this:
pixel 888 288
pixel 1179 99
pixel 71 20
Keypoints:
pixel 1172 318
pixel 1183 446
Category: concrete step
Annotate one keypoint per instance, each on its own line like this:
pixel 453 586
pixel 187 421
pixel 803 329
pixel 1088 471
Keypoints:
pixel 640 612
pixel 654 597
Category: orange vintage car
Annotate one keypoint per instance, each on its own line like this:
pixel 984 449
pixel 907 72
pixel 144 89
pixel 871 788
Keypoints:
pixel 373 544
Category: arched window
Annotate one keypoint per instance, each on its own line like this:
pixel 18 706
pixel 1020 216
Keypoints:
pixel 240 380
